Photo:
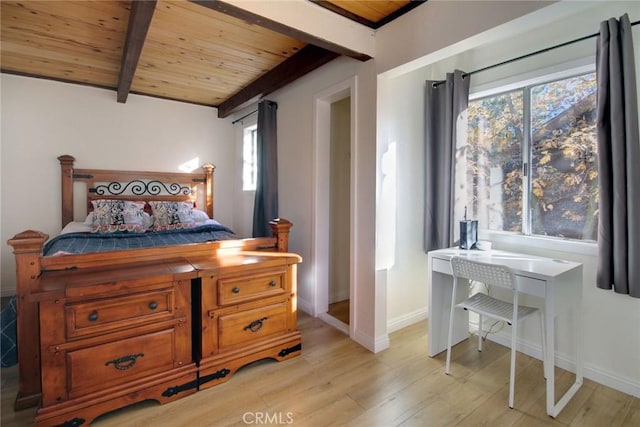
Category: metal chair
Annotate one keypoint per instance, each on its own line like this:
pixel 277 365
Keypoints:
pixel 485 305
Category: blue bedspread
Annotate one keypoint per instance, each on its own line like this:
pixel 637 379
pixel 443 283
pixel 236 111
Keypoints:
pixel 80 243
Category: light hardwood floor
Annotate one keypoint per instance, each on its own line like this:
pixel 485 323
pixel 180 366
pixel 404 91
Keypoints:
pixel 336 382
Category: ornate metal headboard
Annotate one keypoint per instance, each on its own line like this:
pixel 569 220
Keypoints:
pixel 134 185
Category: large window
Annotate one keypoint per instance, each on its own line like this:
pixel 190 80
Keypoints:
pixel 529 162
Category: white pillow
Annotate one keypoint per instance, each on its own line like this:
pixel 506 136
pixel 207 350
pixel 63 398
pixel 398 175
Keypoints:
pixel 199 216
pixel 89 219
pixel 77 227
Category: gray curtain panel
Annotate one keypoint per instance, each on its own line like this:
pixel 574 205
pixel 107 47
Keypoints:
pixel 265 207
pixel 443 104
pixel 618 160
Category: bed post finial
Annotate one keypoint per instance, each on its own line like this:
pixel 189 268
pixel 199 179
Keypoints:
pixel 280 228
pixel 208 170
pixel 66 166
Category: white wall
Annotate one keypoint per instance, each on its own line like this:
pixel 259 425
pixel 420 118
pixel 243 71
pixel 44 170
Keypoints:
pixel 611 358
pixel 43 119
pixel 441 24
pixel 401 105
pixel 296 176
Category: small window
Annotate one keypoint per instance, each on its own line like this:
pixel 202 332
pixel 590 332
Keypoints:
pixel 529 164
pixel 249 158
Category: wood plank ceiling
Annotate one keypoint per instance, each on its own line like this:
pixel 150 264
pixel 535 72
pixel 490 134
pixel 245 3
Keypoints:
pixel 204 52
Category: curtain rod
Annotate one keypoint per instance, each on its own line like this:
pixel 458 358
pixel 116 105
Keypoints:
pixel 528 55
pixel 244 117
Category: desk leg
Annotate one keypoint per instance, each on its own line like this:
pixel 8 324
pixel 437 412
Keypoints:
pixel 439 309
pixel 553 408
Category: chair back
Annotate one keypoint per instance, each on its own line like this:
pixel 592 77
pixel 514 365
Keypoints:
pixel 490 274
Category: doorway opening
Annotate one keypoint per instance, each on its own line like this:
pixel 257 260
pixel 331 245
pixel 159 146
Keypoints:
pixel 339 209
pixel 333 234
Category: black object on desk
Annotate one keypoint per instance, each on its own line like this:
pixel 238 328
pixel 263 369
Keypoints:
pixel 468 232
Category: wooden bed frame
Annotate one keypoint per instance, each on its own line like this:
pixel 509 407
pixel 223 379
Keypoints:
pixel 31 264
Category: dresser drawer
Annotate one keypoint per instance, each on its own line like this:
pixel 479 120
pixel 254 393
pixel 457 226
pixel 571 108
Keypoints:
pixel 99 367
pixel 240 289
pixel 107 314
pixel 246 327
pixel 441 266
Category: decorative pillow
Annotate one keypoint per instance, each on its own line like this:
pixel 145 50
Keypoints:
pixel 112 216
pixel 147 221
pixel 172 215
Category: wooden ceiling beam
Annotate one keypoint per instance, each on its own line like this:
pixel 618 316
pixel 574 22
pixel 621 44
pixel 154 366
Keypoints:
pixel 305 21
pixel 139 22
pixel 306 60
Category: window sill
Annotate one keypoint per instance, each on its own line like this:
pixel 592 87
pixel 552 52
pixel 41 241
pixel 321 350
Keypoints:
pixel 499 238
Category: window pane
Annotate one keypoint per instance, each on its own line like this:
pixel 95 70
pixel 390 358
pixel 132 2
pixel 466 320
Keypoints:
pixel 489 166
pixel 564 186
pixel 249 159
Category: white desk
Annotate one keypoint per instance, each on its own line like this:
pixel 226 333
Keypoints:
pixel 558 282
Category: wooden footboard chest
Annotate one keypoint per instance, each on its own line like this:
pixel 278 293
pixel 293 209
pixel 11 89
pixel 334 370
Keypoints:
pixel 247 313
pixel 112 337
pixel 160 330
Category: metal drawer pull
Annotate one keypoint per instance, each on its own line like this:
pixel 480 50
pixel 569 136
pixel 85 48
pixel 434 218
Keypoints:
pixel 125 362
pixel 235 290
pixel 256 325
pixel 153 305
pixel 93 316
pixel 272 283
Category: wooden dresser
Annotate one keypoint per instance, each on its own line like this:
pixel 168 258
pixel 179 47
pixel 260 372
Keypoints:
pixel 247 312
pixel 160 330
pixel 112 337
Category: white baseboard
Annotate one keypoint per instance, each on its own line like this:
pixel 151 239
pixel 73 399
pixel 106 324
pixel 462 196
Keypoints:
pixel 611 380
pixel 329 319
pixel 372 344
pixel 368 342
pixel 407 319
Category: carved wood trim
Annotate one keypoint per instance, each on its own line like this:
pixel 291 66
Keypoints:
pixel 281 228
